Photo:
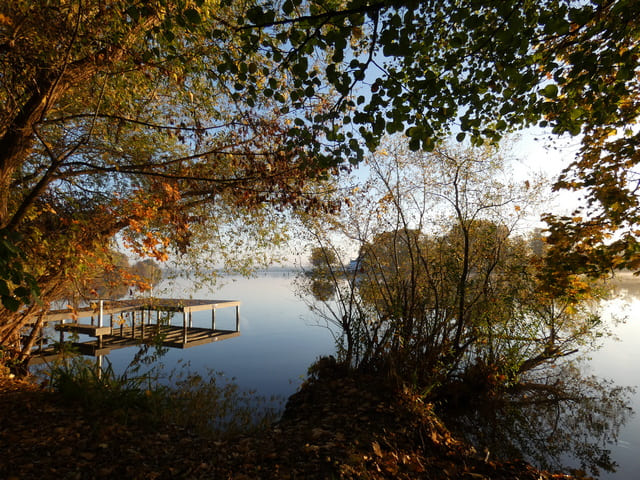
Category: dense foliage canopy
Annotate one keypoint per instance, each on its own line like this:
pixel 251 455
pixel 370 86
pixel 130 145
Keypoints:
pixel 477 69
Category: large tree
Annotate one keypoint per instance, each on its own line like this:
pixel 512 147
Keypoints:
pixel 445 285
pixel 144 123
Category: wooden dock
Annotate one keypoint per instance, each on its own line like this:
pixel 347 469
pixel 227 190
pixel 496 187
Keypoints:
pixel 123 323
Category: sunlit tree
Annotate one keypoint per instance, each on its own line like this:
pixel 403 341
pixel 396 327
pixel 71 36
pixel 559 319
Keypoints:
pixel 447 285
pixel 136 124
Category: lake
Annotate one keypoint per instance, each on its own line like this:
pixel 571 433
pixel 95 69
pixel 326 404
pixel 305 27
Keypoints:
pixel 619 360
pixel 280 339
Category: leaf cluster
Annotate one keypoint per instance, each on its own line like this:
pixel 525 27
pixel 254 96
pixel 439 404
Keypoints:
pixel 16 285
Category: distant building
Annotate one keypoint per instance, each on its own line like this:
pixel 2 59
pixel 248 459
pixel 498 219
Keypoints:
pixel 353 265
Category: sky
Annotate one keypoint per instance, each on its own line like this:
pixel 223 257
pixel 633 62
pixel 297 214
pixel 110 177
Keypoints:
pixel 539 151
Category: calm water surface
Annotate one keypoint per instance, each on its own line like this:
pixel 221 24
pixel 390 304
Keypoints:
pixel 280 339
pixel 619 360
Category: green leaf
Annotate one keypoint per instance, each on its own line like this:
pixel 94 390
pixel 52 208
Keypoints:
pixel 550 91
pixel 287 7
pixel 580 15
pixel 22 292
pixel 4 289
pixel 133 12
pixel 168 35
pixel 300 68
pixel 10 303
pixel 255 14
pixel 193 16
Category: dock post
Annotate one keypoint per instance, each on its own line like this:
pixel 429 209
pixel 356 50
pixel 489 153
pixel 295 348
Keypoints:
pixel 99 366
pixel 237 318
pixel 213 318
pixel 100 318
pixel 184 326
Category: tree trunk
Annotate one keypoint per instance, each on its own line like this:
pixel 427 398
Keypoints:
pixel 17 140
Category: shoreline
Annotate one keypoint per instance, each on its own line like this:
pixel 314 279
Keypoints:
pixel 367 430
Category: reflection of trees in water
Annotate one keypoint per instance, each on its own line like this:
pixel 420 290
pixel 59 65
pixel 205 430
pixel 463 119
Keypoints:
pixel 558 420
pixel 626 285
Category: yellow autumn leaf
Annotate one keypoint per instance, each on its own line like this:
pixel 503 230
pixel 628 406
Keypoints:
pixel 376 448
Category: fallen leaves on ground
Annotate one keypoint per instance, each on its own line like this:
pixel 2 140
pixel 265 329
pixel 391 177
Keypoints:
pixel 350 428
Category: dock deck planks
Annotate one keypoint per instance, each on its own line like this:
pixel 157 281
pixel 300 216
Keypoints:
pixel 110 307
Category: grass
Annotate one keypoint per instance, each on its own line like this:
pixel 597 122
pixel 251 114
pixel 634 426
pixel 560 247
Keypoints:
pixel 205 405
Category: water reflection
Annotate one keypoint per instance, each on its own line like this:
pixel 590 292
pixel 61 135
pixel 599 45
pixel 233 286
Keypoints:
pixel 276 346
pixel 618 359
pixel 117 324
pixel 563 417
pixel 567 417
pixel 561 420
pixel 627 286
